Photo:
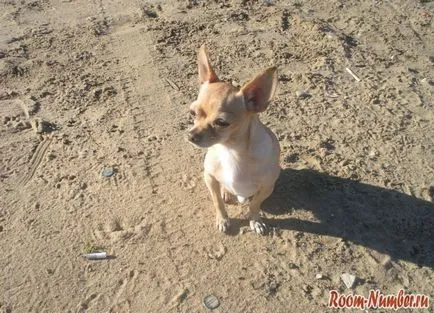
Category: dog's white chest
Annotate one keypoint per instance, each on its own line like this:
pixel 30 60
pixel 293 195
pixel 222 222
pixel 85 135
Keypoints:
pixel 234 175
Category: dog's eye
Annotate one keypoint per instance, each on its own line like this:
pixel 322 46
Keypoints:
pixel 221 122
pixel 192 113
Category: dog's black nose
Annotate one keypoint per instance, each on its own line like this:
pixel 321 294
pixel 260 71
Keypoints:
pixel 194 138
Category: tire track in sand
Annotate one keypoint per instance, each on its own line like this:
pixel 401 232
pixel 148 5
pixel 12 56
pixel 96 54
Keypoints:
pixel 145 105
pixel 35 161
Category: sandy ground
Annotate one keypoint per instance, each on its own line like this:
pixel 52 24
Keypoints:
pixel 104 84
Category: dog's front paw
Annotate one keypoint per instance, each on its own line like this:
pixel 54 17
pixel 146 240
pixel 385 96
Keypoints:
pixel 258 227
pixel 222 224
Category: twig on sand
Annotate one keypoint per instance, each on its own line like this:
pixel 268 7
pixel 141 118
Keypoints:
pixel 172 84
pixel 352 74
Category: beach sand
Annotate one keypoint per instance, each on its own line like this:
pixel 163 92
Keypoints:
pixel 103 87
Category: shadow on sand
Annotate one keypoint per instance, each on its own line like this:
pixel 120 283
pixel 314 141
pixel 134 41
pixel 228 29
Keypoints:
pixel 385 220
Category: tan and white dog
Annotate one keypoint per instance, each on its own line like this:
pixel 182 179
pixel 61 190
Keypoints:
pixel 243 154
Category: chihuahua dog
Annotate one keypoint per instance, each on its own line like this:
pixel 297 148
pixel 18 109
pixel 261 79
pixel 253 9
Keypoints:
pixel 243 154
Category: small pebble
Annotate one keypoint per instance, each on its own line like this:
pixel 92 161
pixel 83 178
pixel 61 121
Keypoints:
pixel 387 262
pixel 293 266
pixel 108 172
pixel 97 93
pixel 152 138
pixel 318 276
pixel 211 302
pixel 303 94
pixel 51 155
pixel 31 106
pixel 40 126
pixel 373 154
pixel 348 280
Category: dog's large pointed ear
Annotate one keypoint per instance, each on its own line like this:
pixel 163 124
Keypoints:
pixel 206 72
pixel 260 90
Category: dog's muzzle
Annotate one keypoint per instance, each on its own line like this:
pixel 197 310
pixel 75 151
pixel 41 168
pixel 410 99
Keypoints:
pixel 194 137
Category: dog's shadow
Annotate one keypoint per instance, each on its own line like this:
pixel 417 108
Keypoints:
pixel 385 220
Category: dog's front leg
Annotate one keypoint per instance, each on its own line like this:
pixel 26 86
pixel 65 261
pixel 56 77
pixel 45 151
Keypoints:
pixel 255 206
pixel 222 220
